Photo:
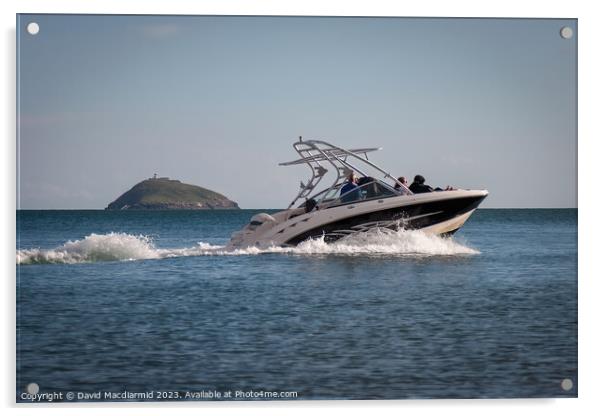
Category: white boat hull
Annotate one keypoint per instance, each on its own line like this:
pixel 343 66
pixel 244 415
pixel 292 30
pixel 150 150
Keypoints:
pixel 435 212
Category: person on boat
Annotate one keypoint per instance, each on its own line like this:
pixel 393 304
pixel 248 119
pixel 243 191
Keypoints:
pixel 418 186
pixel 400 188
pixel 368 187
pixel 401 180
pixel 350 191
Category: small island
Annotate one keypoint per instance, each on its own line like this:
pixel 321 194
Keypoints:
pixel 164 193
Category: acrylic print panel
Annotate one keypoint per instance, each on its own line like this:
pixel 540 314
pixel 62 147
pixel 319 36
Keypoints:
pixel 163 255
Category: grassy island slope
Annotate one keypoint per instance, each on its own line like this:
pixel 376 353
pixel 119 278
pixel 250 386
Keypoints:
pixel 165 193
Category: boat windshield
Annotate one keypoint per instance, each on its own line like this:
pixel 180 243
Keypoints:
pixel 374 189
pixel 371 190
pixel 326 196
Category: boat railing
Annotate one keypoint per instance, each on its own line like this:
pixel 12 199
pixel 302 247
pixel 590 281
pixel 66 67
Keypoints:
pixel 316 153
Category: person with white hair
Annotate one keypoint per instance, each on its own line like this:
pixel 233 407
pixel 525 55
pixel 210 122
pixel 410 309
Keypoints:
pixel 349 191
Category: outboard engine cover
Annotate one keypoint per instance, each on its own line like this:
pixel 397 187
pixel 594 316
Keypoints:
pixel 259 219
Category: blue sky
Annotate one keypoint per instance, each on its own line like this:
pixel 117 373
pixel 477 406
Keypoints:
pixel 106 101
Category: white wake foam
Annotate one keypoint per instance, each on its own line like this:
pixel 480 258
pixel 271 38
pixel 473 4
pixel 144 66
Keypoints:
pixel 124 247
pixel 93 248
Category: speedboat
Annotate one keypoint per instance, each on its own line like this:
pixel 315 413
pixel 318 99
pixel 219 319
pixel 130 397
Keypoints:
pixel 333 213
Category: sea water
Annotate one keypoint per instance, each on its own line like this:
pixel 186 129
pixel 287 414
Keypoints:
pixel 153 302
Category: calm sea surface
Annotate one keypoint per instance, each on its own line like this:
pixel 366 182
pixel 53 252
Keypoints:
pixel 151 301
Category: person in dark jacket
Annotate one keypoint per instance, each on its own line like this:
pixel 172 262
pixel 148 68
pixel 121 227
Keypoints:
pixel 366 184
pixel 350 191
pixel 418 186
